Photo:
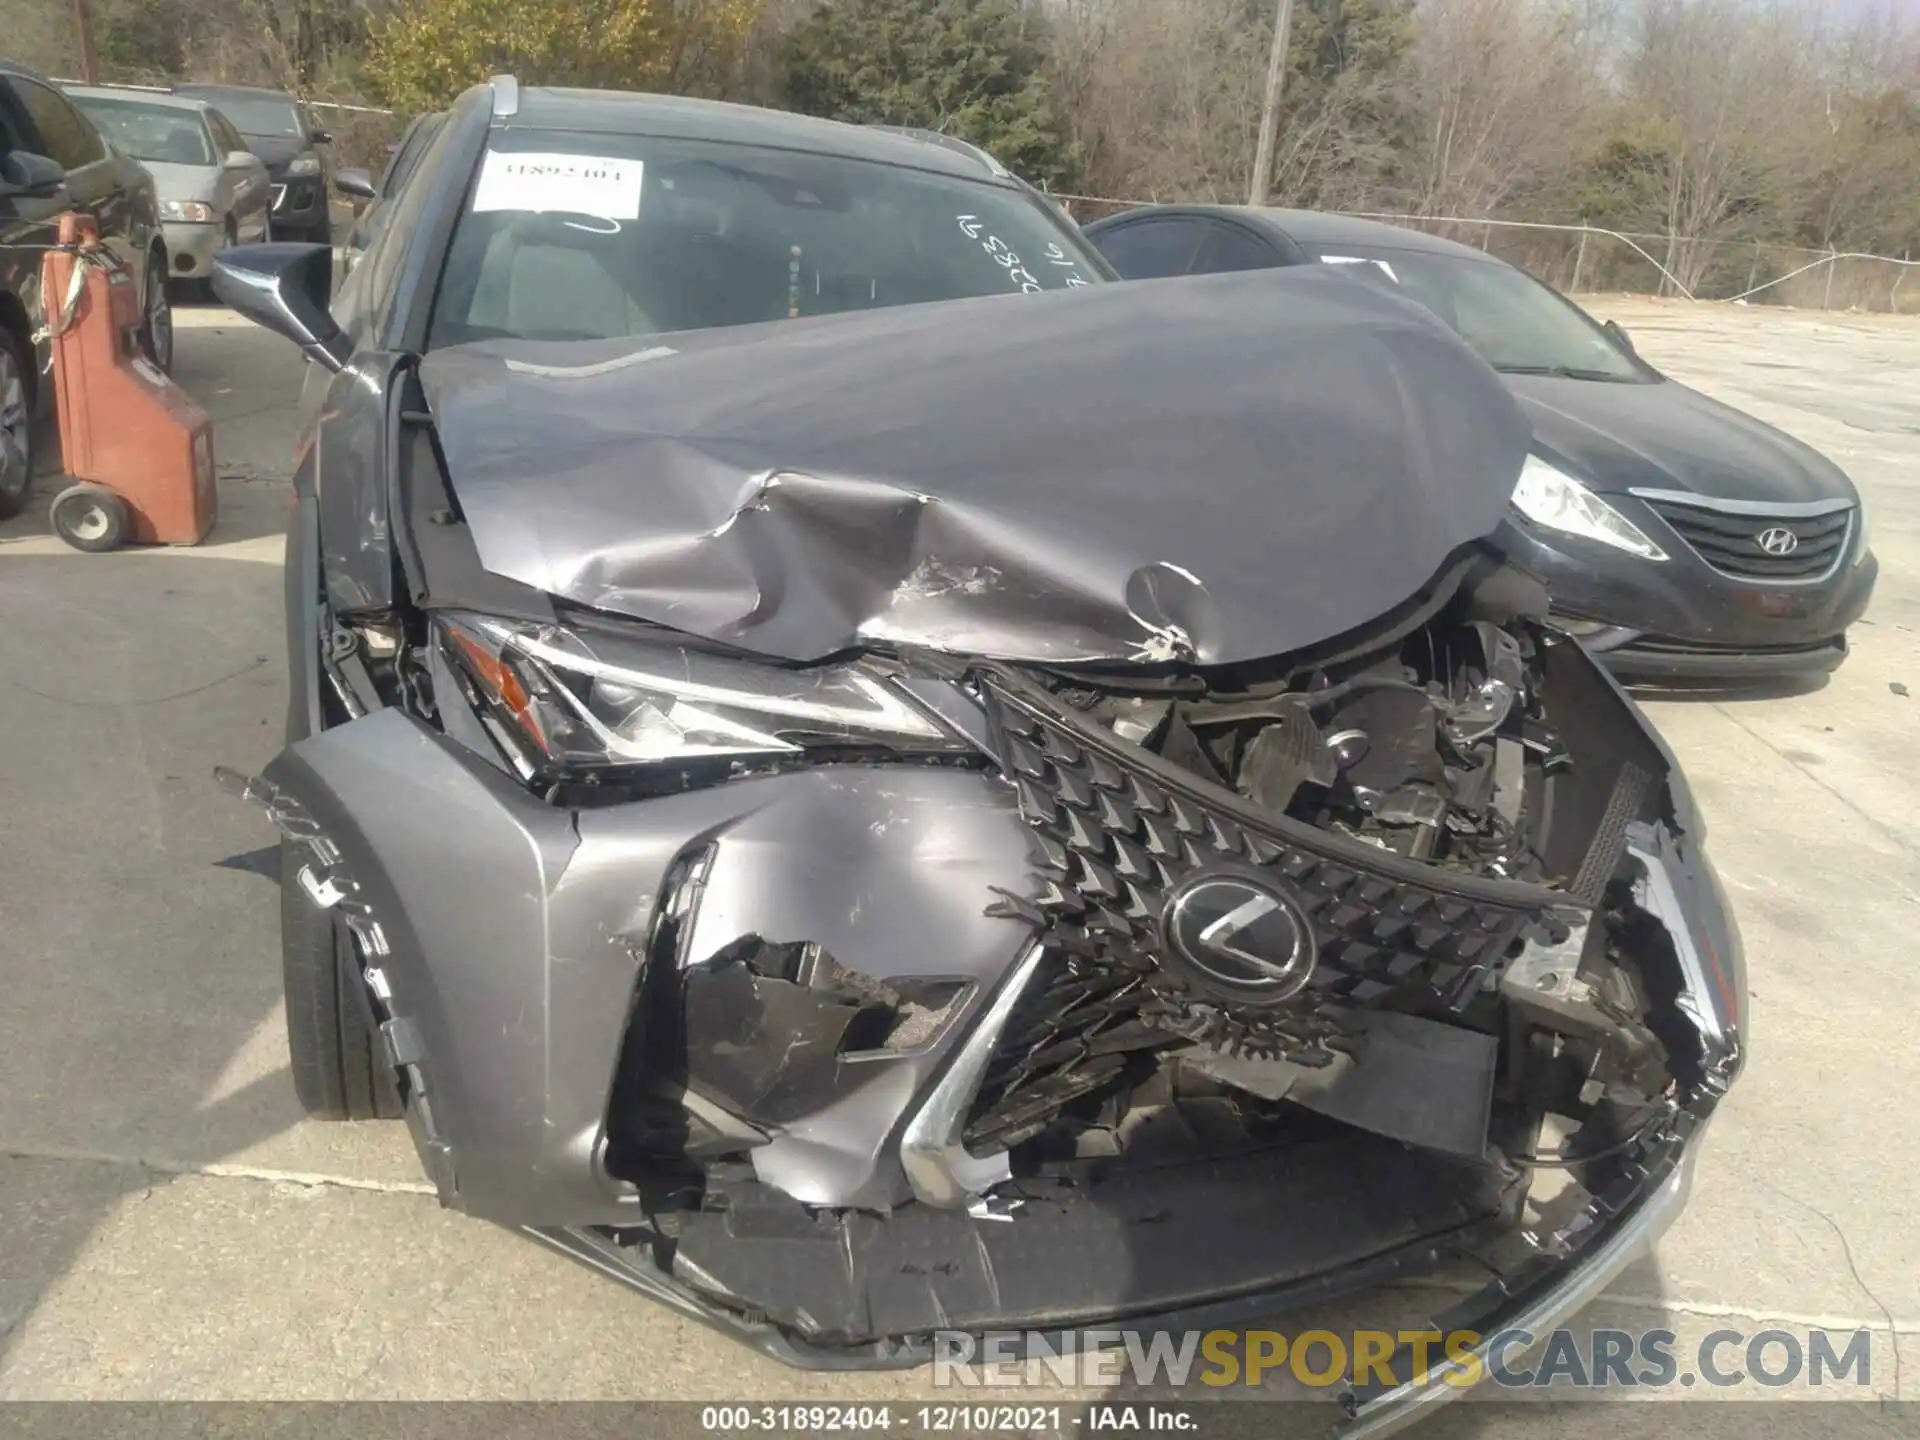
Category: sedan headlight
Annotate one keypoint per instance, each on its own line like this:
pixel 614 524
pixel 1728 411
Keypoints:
pixel 195 211
pixel 304 165
pixel 566 700
pixel 1550 497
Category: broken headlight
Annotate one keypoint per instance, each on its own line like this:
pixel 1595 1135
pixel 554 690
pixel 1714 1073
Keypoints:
pixel 563 699
pixel 1550 497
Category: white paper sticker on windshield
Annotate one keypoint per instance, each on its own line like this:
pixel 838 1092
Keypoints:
pixel 608 189
pixel 1360 260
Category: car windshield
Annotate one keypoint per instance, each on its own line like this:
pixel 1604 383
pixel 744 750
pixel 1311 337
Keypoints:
pixel 259 114
pixel 162 133
pixel 1518 325
pixel 579 236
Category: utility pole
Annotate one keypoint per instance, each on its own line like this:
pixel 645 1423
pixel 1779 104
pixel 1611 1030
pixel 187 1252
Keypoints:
pixel 1270 116
pixel 83 26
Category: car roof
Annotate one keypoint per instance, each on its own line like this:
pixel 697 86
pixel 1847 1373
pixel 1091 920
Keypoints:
pixel 679 117
pixel 15 67
pixel 158 98
pixel 1313 229
pixel 208 87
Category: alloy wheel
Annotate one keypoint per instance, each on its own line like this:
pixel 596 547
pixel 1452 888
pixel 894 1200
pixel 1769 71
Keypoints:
pixel 159 318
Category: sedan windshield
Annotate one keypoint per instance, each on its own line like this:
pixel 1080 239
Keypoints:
pixel 1518 325
pixel 258 115
pixel 595 237
pixel 165 134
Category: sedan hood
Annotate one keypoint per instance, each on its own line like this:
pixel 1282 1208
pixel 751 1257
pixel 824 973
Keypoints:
pixel 1663 436
pixel 1217 469
pixel 182 182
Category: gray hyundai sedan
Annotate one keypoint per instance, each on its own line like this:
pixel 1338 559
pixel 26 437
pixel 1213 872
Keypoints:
pixel 213 191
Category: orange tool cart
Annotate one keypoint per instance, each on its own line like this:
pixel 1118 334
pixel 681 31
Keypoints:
pixel 138 451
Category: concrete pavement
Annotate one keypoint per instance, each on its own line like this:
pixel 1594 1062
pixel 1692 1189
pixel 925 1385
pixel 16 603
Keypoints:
pixel 170 1226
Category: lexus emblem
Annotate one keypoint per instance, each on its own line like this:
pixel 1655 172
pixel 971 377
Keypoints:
pixel 1240 936
pixel 1777 541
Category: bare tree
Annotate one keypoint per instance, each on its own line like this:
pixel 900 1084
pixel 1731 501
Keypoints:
pixel 1738 93
pixel 1508 93
pixel 1163 95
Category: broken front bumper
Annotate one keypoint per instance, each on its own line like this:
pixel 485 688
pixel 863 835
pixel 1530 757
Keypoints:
pixel 512 938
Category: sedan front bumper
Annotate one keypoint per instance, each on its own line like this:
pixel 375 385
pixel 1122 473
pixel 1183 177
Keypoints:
pixel 1680 618
pixel 191 247
pixel 300 203
pixel 1634 655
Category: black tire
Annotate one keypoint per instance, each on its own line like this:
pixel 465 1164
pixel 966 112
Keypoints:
pixel 339 1063
pixel 89 517
pixel 156 326
pixel 16 422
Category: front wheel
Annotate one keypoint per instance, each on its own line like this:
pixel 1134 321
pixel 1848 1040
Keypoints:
pixel 156 328
pixel 340 1070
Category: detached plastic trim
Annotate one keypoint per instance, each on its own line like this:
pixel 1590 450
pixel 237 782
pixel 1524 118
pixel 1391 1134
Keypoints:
pixel 933 1154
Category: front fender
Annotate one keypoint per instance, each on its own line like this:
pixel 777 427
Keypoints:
pixel 517 936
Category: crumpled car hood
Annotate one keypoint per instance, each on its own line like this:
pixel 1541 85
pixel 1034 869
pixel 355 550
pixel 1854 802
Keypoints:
pixel 1219 469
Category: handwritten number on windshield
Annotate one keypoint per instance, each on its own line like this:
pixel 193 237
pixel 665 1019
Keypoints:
pixel 1057 256
pixel 1009 260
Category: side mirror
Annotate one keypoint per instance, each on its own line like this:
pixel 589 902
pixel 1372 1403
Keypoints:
pixel 238 160
pixel 25 175
pixel 285 287
pixel 321 137
pixel 1619 336
pixel 355 184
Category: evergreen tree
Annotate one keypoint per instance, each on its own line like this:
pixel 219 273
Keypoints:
pixel 974 69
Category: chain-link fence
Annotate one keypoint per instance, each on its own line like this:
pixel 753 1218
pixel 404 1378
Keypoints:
pixel 1586 258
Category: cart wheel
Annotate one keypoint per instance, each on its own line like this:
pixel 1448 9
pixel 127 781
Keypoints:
pixel 89 517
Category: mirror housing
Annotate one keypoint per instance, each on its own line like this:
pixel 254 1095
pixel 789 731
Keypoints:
pixel 355 184
pixel 321 137
pixel 1619 336
pixel 285 287
pixel 238 160
pixel 26 175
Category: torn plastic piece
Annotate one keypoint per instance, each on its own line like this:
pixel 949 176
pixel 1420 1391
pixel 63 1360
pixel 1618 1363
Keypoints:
pixel 287 814
pixel 993 1207
pixel 322 890
pixel 1284 756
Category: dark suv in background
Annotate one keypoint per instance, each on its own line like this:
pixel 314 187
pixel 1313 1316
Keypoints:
pixel 281 131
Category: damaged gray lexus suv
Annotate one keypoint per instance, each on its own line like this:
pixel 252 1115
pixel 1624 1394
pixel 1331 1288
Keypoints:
pixel 865 781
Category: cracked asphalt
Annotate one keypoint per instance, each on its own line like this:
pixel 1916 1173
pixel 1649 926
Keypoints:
pixel 170 1227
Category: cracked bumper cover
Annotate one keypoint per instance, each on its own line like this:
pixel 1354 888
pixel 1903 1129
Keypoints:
pixel 517 931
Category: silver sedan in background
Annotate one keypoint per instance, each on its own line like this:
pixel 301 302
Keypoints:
pixel 213 191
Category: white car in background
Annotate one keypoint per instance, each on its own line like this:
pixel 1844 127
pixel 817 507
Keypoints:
pixel 213 191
